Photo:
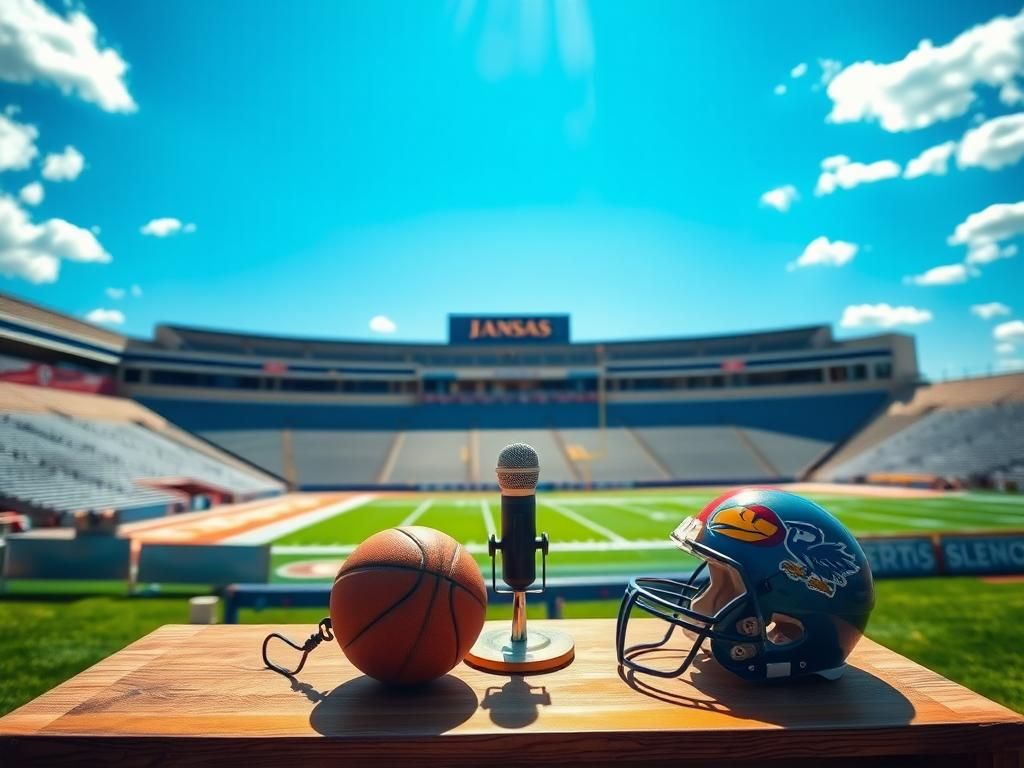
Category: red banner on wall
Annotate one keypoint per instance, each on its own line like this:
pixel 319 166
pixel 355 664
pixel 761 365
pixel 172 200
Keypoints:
pixel 58 376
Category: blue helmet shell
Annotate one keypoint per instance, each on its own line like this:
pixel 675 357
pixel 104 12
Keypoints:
pixel 789 594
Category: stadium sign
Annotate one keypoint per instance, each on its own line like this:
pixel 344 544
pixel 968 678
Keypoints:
pixel 983 554
pixel 503 329
pixel 900 557
pixel 945 554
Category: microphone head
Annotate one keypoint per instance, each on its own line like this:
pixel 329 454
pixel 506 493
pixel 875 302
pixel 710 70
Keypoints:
pixel 518 468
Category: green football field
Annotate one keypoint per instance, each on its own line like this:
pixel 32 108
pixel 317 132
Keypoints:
pixel 612 532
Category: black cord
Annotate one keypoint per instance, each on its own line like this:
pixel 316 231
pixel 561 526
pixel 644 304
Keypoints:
pixel 322 633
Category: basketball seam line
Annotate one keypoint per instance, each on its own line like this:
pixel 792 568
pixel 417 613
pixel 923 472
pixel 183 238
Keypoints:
pixel 455 622
pixel 386 611
pixel 419 545
pixel 451 598
pixel 392 567
pixel 402 599
pixel 455 556
pixel 423 627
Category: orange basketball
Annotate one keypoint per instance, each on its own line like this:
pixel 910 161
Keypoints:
pixel 407 605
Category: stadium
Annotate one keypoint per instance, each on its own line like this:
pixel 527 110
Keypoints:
pixel 209 458
pixel 521 382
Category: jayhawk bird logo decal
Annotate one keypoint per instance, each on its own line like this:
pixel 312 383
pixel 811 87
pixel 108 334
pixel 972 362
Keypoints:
pixel 822 565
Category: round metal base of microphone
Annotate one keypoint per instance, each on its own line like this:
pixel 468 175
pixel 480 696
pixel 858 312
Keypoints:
pixel 545 649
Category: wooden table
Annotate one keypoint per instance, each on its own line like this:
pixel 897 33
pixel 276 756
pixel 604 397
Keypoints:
pixel 200 695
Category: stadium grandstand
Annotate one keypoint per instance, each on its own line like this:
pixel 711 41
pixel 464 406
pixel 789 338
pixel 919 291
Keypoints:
pixel 231 412
pixel 957 433
pixel 67 446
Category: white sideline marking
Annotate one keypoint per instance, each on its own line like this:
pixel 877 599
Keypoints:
pixel 650 514
pixel 485 511
pixel 415 515
pixel 274 531
pixel 481 549
pixel 578 518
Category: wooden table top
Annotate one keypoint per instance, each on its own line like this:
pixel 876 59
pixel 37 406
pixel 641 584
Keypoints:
pixel 201 693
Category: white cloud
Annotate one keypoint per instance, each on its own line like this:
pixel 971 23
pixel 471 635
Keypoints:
pixel 119 293
pixel 990 310
pixel 1011 331
pixel 883 316
pixel 999 221
pixel 780 198
pixel 38 44
pixel 931 83
pixel 934 161
pixel 1010 364
pixel 779 90
pixel 832 162
pixel 32 193
pixel 1011 94
pixel 17 144
pixel 799 70
pixel 838 171
pixel 823 252
pixel 166 226
pixel 102 316
pixel 985 252
pixel 63 166
pixel 947 274
pixel 829 69
pixel 1005 348
pixel 993 144
pixel 33 252
pixel 382 324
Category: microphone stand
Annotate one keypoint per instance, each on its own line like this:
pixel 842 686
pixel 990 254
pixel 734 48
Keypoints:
pixel 498 649
pixel 518 617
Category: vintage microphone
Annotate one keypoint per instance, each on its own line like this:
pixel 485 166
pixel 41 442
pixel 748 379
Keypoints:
pixel 513 650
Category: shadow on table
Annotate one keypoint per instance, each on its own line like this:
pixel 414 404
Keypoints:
pixel 515 704
pixel 857 699
pixel 364 707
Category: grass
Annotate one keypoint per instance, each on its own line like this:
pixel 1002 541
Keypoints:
pixel 963 628
pixel 638 516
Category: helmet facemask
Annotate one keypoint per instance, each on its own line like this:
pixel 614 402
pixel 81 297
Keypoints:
pixel 703 608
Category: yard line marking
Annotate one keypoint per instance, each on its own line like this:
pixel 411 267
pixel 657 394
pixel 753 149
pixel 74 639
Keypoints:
pixel 578 518
pixel 944 519
pixel 959 516
pixel 986 498
pixel 650 514
pixel 415 515
pixel 915 522
pixel 485 511
pixel 268 533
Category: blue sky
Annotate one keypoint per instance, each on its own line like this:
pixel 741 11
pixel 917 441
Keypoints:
pixel 319 164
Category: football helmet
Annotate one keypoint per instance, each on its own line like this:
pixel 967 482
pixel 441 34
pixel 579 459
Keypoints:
pixel 783 590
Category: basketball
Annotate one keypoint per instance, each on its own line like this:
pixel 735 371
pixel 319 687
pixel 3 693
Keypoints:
pixel 407 605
